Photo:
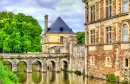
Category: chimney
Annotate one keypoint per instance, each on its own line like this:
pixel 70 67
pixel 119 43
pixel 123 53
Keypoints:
pixel 46 23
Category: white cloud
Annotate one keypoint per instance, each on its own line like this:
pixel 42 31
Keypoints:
pixel 71 11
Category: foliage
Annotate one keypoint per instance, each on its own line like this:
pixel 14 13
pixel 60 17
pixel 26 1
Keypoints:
pixel 125 81
pixel 11 57
pixel 7 77
pixel 19 32
pixel 19 57
pixel 83 71
pixel 112 77
pixel 91 76
pixel 77 72
pixel 81 37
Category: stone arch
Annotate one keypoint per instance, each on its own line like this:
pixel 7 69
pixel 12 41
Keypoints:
pixel 37 62
pixel 64 64
pixel 51 63
pixel 122 28
pixel 10 63
pixel 24 63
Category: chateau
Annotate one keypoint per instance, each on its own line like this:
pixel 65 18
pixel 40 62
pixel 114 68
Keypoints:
pixel 107 34
pixel 53 36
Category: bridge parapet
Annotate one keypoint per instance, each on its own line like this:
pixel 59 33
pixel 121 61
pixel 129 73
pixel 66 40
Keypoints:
pixel 34 55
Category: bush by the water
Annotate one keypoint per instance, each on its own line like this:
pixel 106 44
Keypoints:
pixel 77 72
pixel 112 77
pixel 7 76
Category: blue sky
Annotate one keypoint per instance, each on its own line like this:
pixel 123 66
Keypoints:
pixel 71 11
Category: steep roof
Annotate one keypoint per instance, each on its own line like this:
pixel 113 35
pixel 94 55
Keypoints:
pixel 59 26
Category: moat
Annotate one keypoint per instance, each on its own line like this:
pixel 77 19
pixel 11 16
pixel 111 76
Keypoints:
pixel 50 77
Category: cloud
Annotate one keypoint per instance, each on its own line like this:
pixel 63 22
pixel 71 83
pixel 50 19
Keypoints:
pixel 71 11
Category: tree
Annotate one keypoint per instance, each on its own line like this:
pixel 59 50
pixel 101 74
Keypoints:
pixel 81 37
pixel 19 32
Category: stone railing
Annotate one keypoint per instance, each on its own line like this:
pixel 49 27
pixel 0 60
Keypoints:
pixel 34 55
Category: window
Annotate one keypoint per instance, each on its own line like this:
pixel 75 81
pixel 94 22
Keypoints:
pixel 108 62
pixel 125 6
pixel 126 62
pixel 108 8
pixel 61 39
pixel 92 32
pixel 125 32
pixel 109 34
pixel 92 13
pixel 92 60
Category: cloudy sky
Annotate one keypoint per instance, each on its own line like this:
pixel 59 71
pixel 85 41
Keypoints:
pixel 71 11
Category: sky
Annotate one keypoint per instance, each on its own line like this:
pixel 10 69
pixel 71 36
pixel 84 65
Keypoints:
pixel 71 11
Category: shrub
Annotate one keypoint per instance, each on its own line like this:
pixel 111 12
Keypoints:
pixel 19 57
pixel 7 76
pixel 77 72
pixel 125 81
pixel 11 57
pixel 112 77
pixel 91 76
pixel 83 71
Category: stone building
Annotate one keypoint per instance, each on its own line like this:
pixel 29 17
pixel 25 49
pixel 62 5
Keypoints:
pixel 52 39
pixel 76 53
pixel 107 29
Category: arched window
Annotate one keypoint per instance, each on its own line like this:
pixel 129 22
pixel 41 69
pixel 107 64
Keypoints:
pixel 125 6
pixel 125 32
pixel 126 62
pixel 108 61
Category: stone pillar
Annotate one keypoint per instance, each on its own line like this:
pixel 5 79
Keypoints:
pixel 44 67
pixel 14 67
pixel 73 41
pixel 29 67
pixel 58 65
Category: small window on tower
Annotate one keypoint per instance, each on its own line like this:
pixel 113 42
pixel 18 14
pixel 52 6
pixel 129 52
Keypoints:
pixel 61 39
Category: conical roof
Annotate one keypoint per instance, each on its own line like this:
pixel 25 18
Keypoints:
pixel 59 26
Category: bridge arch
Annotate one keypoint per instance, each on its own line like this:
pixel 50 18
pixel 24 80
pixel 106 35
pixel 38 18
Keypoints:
pixel 36 63
pixel 8 63
pixel 22 65
pixel 64 64
pixel 51 64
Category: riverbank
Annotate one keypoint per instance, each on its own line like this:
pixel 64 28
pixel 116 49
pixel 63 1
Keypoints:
pixel 7 76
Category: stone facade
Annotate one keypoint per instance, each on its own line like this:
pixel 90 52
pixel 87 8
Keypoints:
pixel 76 53
pixel 108 53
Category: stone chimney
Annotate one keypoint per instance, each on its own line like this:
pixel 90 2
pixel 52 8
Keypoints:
pixel 46 23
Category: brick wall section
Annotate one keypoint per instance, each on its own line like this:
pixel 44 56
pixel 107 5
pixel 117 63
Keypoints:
pixel 102 9
pixel 97 11
pixel 113 7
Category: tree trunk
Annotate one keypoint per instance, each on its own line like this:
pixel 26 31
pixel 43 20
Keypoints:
pixel 26 52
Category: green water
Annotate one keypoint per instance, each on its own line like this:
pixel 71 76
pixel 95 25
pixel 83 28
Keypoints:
pixel 52 77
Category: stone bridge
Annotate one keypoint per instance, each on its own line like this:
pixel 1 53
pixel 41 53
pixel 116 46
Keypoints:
pixel 57 61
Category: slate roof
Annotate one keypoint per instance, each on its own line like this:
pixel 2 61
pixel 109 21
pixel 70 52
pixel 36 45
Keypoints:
pixel 55 47
pixel 59 26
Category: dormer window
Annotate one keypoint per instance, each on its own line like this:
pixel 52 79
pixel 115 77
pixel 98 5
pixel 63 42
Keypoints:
pixel 125 6
pixel 61 29
pixel 108 8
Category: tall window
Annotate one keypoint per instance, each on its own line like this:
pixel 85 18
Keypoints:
pixel 92 32
pixel 126 62
pixel 61 39
pixel 125 32
pixel 92 13
pixel 125 6
pixel 108 8
pixel 109 34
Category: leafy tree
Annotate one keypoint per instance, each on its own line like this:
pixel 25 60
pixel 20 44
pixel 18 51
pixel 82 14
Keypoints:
pixel 81 37
pixel 19 32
